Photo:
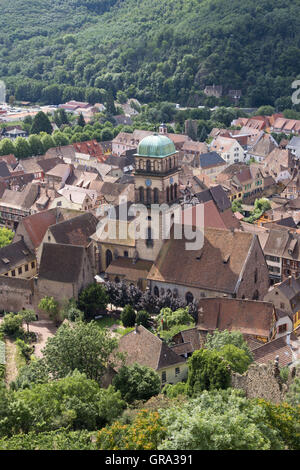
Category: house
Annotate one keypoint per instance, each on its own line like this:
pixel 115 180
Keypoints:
pixel 17 261
pixel 214 90
pixel 262 147
pixel 281 349
pixel 14 205
pixel 142 346
pixel 279 164
pixel 256 320
pixel 229 149
pixel 58 175
pixel 285 296
pixel 294 146
pixel 210 164
pixel 242 181
pixel 63 271
pixel 229 263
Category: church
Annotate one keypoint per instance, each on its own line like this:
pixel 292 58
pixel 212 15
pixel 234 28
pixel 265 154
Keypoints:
pixel 228 263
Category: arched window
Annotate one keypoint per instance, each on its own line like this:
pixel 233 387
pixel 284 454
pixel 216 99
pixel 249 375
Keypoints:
pixel 149 195
pixel 108 257
pixel 255 276
pixel 175 191
pixel 117 279
pixel 168 194
pixel 170 163
pixel 172 195
pixel 149 240
pixel 156 291
pixel 148 165
pixel 155 195
pixel 141 194
pixel 189 298
pixel 255 295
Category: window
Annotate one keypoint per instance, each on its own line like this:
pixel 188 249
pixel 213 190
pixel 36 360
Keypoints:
pixel 26 267
pixel 20 270
pixel 281 305
pixel 282 328
pixel 163 377
pixel 177 371
pixel 13 273
pixel 156 291
pixel 33 264
pixel 189 298
pixel 126 254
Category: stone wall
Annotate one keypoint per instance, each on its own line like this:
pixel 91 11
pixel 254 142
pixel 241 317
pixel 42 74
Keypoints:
pixel 263 381
pixel 15 294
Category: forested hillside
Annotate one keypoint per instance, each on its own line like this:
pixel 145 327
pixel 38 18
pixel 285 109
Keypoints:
pixel 151 49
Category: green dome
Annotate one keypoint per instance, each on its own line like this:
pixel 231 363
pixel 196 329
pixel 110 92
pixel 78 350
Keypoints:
pixel 156 146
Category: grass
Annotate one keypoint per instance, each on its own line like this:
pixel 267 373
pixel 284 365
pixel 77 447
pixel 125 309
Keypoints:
pixel 123 331
pixel 107 322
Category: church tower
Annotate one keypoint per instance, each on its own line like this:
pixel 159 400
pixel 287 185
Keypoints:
pixel 156 171
pixel 156 182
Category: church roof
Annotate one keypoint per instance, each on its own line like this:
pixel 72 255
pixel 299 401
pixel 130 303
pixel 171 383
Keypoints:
pixel 158 146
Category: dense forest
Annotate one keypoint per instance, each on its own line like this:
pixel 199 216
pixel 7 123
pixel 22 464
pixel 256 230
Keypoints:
pixel 52 50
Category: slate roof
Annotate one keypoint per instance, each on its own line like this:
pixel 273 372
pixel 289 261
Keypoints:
pixel 144 347
pixel 14 255
pixel 216 266
pixel 61 263
pixel 4 171
pixel 75 231
pixel 210 159
pixel 247 316
pixel 218 195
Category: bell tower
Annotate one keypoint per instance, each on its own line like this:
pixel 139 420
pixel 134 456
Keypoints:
pixel 156 171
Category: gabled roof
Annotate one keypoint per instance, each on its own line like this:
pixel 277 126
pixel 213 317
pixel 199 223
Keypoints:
pixel 36 225
pixel 14 255
pixel 250 317
pixel 75 231
pixel 216 266
pixel 269 351
pixel 61 263
pixel 144 347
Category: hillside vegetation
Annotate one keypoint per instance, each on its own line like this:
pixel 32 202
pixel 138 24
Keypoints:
pixel 153 50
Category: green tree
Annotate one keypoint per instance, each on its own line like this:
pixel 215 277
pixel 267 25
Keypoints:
pixel 207 371
pixel 218 339
pixel 6 147
pixel 219 420
pixel 238 359
pixel 36 146
pixel 12 324
pixel 50 306
pixel 128 316
pixel 143 318
pixel 28 316
pixel 80 346
pixel 167 318
pixel 41 123
pixel 137 382
pixel 6 236
pixel 81 121
pixel 22 148
pixel 293 395
pixel 47 142
pixel 93 300
pixel 122 97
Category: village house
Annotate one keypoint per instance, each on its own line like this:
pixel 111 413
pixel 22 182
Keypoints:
pixel 64 271
pixel 14 205
pixel 279 164
pixel 210 164
pixel 142 346
pixel 262 148
pixel 229 149
pixel 17 260
pixel 285 296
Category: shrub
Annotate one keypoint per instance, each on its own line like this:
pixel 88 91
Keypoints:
pixel 128 316
pixel 137 382
pixel 142 318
